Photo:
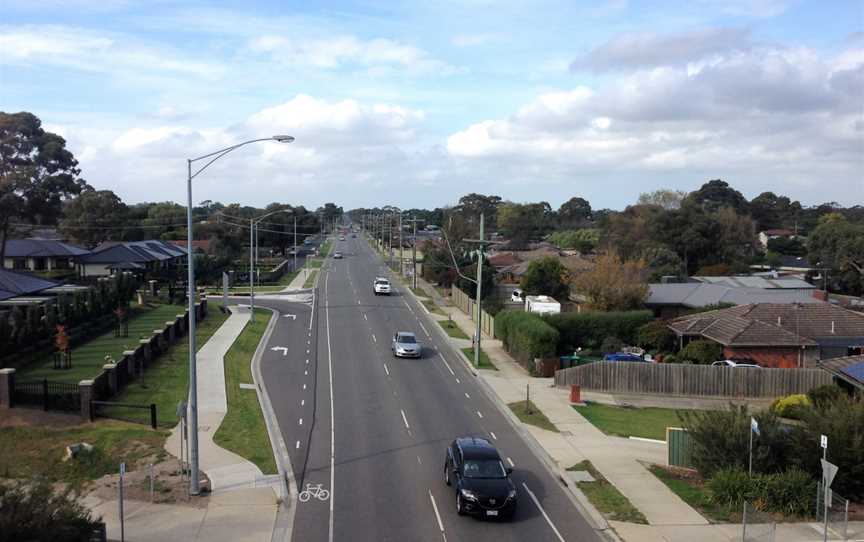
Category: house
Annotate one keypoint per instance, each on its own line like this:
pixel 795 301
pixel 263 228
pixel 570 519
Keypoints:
pixel 14 284
pixel 41 255
pixel 777 334
pixel 767 235
pixel 199 246
pixel 137 256
pixel 673 300
pixel 848 369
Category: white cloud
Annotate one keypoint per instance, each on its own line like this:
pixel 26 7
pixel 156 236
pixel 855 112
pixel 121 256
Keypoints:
pixel 748 8
pixel 471 40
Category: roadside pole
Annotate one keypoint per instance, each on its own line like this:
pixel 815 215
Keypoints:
pixel 414 253
pixel 294 267
pixel 401 250
pixel 252 268
pixel 480 250
pixel 122 526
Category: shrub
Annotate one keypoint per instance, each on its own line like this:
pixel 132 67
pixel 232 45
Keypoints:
pixel 526 335
pixel 589 329
pixel 823 396
pixel 791 406
pixel 702 351
pixel 655 336
pixel 611 345
pixel 789 492
pixel 730 487
pixel 33 511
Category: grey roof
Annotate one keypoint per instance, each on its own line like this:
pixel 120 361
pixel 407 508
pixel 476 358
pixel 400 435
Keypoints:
pixel 134 252
pixel 850 369
pixel 23 248
pixel 14 284
pixel 701 294
pixel 758 282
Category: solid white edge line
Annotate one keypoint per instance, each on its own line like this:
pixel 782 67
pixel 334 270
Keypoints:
pixel 447 364
pixel 312 316
pixel 424 329
pixel 386 370
pixel 332 414
pixel 437 515
pixel 545 515
pixel 404 419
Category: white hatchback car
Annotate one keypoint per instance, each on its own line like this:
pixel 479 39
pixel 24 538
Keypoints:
pixel 381 286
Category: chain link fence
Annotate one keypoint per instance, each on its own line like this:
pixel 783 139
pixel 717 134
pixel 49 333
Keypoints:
pixel 757 526
pixel 838 513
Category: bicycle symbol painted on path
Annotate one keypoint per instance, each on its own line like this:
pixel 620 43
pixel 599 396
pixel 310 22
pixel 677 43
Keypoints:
pixel 313 490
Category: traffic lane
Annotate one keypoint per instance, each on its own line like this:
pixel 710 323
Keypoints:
pixel 375 458
pixel 530 471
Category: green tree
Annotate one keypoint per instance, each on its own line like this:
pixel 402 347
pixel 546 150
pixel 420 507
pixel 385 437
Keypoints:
pixel 716 194
pixel 37 173
pixel 584 240
pixel 93 217
pixel 574 213
pixel 472 205
pixel 613 284
pixel 33 510
pixel 771 211
pixel 838 245
pixel 665 198
pixel 521 223
pixel 546 276
pixel 789 246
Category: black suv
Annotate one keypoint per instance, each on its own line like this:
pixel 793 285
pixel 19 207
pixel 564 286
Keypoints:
pixel 483 485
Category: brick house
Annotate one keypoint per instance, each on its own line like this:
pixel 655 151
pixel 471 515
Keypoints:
pixel 777 334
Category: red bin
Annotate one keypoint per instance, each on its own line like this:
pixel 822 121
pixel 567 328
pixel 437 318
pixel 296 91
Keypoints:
pixel 575 394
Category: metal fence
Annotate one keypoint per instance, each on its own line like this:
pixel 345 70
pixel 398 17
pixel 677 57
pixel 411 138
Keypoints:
pixel 134 413
pixel 757 526
pixel 49 395
pixel 838 513
pixel 692 380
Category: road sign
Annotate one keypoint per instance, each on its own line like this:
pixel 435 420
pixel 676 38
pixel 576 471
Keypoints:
pixel 754 425
pixel 823 441
pixel 829 471
pixel 284 349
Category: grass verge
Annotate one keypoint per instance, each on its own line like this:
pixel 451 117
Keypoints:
pixel 432 307
pixel 626 421
pixel 315 263
pixel 29 451
pixel 325 249
pixel 243 430
pixel 606 497
pixel 452 329
pixel 485 362
pixel 89 357
pixel 692 490
pixel 531 415
pixel 310 280
pixel 166 381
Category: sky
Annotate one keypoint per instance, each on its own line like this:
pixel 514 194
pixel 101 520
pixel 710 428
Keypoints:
pixel 415 104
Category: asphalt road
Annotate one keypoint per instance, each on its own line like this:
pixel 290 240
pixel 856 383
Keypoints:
pixel 372 430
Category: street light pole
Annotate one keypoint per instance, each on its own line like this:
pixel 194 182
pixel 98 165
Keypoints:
pixel 294 267
pixel 252 267
pixel 192 427
pixel 481 248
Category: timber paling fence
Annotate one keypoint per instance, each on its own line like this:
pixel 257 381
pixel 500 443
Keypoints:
pixel 690 380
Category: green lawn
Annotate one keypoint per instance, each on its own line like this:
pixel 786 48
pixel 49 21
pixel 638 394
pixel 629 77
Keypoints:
pixel 166 381
pixel 452 329
pixel 693 492
pixel 28 451
pixel 310 280
pixel 606 497
pixel 432 307
pixel 88 358
pixel 324 250
pixel 315 263
pixel 532 415
pixel 626 422
pixel 243 430
pixel 485 363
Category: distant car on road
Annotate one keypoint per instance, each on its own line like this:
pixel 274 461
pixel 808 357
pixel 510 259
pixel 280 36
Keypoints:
pixel 482 483
pixel 353 236
pixel 381 286
pixel 405 345
pixel 341 237
pixel 337 255
pixel 624 356
pixel 733 363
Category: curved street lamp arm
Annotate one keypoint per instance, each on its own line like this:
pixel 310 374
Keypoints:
pixel 220 153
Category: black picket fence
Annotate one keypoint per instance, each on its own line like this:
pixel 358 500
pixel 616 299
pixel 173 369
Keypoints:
pixel 49 395
pixel 128 412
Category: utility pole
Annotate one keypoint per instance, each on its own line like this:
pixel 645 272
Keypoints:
pixel 252 267
pixel 294 267
pixel 480 250
pixel 401 249
pixel 390 239
pixel 414 222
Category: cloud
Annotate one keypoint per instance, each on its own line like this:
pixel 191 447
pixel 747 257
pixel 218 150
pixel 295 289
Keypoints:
pixel 649 50
pixel 471 40
pixel 337 52
pixel 748 8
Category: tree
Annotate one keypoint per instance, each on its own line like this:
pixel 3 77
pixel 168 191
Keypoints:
pixel 613 284
pixel 584 240
pixel 471 205
pixel 838 245
pixel 37 173
pixel 32 510
pixel 716 194
pixel 523 222
pixel 93 217
pixel 546 276
pixel 789 246
pixel 665 198
pixel 574 213
pixel 771 211
pixel 629 233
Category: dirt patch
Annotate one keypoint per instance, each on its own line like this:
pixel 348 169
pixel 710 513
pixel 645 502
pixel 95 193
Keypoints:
pixel 170 486
pixel 22 417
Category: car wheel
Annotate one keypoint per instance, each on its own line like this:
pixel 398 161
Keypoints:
pixel 460 510
pixel 446 474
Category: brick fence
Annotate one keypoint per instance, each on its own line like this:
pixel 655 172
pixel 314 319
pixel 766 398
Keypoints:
pixel 114 377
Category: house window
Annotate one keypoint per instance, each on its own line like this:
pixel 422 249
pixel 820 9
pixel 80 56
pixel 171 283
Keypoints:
pixel 19 263
pixel 39 264
pixel 62 263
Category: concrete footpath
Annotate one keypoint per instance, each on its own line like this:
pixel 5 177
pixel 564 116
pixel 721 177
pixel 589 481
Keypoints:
pixel 243 504
pixel 621 461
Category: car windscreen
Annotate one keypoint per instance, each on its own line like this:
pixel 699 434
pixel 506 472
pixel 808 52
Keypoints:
pixel 407 339
pixel 484 468
pixel 383 282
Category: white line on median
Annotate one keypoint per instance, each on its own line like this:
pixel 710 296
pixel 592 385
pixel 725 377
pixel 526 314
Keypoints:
pixel 511 462
pixel 437 515
pixel 386 370
pixel 404 419
pixel 332 415
pixel 545 515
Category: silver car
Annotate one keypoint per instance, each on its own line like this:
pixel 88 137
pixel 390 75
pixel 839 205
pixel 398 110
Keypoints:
pixel 405 345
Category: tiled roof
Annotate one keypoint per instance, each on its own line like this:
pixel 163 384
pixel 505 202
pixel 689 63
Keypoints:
pixel 23 248
pixel 773 324
pixel 14 284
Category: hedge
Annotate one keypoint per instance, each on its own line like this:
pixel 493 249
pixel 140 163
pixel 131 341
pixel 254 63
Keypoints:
pixel 589 329
pixel 789 492
pixel 526 336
